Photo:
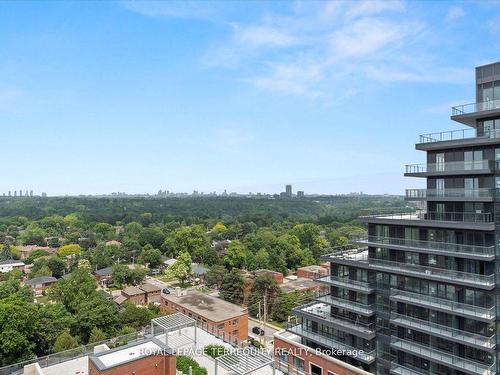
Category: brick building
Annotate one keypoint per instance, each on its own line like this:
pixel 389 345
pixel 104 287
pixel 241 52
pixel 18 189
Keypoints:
pixel 142 358
pixel 292 357
pixel 134 295
pixel 312 272
pixel 219 317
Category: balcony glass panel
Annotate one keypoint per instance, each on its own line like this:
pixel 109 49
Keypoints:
pixel 449 333
pixel 347 283
pixel 323 311
pixel 447 136
pixel 346 304
pixel 450 193
pixel 471 217
pixel 445 247
pixel 434 354
pixel 438 273
pixel 456 166
pixel 330 342
pixel 475 107
pixel 444 304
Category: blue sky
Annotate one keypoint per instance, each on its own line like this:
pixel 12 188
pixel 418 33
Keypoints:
pixel 97 97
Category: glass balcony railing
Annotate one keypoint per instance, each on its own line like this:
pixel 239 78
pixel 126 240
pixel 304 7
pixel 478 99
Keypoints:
pixel 334 343
pixel 345 282
pixel 455 166
pixel 444 247
pixel 475 107
pixel 480 193
pixel 434 272
pixel 406 369
pixel 484 217
pixel 346 304
pixel 435 355
pixel 322 311
pixel 441 304
pixel 456 135
pixel 449 333
pixel 452 135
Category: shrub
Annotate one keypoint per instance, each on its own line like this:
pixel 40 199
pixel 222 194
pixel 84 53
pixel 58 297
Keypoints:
pixel 257 344
pixel 184 362
pixel 214 350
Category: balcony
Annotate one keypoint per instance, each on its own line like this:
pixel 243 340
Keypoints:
pixel 445 248
pixel 472 195
pixel 444 358
pixel 322 313
pixel 468 114
pixel 445 332
pixel 407 369
pixel 484 314
pixel 434 273
pixel 450 168
pixel 346 283
pixel 341 303
pixel 334 343
pixel 465 137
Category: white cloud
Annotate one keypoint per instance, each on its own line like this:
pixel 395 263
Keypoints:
pixel 369 7
pixel 262 36
pixel 312 49
pixel 454 13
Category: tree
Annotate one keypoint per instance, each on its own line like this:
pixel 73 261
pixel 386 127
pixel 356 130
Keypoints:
pixel 70 249
pixel 282 306
pixel 262 259
pixel 104 231
pixel 96 311
pixel 64 342
pixel 43 270
pixel 150 256
pixel 236 255
pixel 96 335
pixel 133 316
pixel 264 285
pixel 232 287
pixel 51 320
pixel 56 265
pixel 35 254
pixel 105 255
pixel 153 236
pixel 181 269
pixel 72 291
pixel 215 276
pixel 192 239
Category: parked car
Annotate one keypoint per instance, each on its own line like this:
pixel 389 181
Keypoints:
pixel 258 331
pixel 165 291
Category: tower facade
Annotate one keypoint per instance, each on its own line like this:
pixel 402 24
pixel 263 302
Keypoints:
pixel 418 294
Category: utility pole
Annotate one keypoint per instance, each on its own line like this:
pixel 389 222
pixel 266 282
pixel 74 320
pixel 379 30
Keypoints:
pixel 265 315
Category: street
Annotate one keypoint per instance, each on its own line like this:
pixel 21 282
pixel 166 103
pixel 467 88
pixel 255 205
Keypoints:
pixel 268 331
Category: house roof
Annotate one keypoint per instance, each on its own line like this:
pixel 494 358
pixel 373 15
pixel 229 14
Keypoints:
pixel 104 271
pixel 120 299
pixel 11 262
pixel 209 307
pixel 200 270
pixel 148 288
pixel 299 284
pixel 132 291
pixel 41 280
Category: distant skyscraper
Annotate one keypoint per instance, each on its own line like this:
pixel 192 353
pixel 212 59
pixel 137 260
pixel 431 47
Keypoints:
pixel 300 194
pixel 288 191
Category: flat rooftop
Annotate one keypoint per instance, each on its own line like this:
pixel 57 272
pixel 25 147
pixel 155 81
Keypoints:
pixel 209 307
pixel 129 353
pixel 300 284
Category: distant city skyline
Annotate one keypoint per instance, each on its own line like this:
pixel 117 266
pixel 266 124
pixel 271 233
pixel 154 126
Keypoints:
pixel 97 97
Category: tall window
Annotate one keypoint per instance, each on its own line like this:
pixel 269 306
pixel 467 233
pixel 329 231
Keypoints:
pixel 471 185
pixel 440 162
pixel 440 187
pixel 473 159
